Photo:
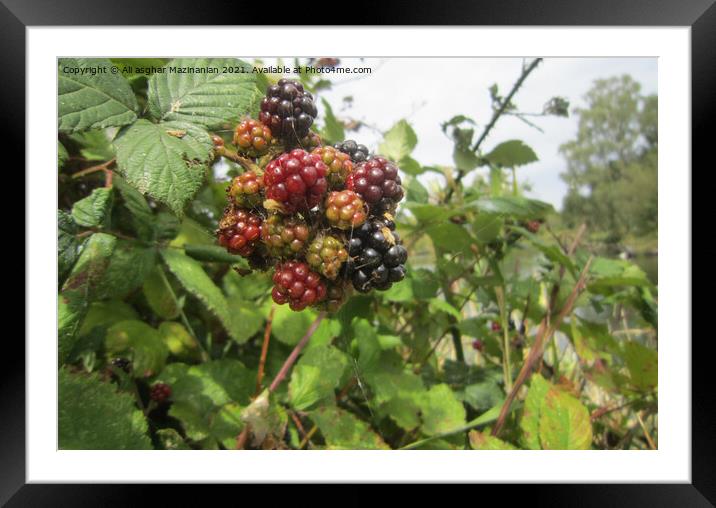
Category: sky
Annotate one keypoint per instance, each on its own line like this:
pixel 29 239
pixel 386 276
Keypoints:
pixel 428 91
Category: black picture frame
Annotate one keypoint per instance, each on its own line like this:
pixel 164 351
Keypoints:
pixel 700 15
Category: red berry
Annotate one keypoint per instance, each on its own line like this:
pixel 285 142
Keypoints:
pixel 496 326
pixel 297 285
pixel 284 236
pixel 533 226
pixel 478 345
pixel 160 392
pixel 336 294
pixel 345 209
pixel 296 180
pixel 252 138
pixel 239 231
pixel 245 189
pixel 377 181
pixel 339 165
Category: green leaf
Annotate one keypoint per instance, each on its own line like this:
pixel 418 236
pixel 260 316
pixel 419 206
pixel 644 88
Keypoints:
pixel 515 206
pixel 179 342
pixel 68 246
pixel 315 376
pixel 129 264
pixel 411 166
pixel 266 417
pixel 400 292
pixel 209 99
pixel 642 363
pixel 449 237
pixel 95 145
pixel 442 411
pixel 80 289
pixel 368 346
pixel 333 129
pixel 289 326
pixel 484 441
pixel 167 161
pixel 399 141
pixel 246 320
pixel 511 154
pixel 92 102
pixel 483 396
pixel 171 440
pixel 343 431
pixel 398 394
pixel 193 277
pixel 213 254
pixel 200 393
pixel 142 215
pixel 564 422
pixel 93 211
pixel 159 295
pixel 437 305
pixel 93 416
pixel 487 227
pixel 106 313
pixel 529 423
pixel 139 342
pixel 62 155
pixel 416 191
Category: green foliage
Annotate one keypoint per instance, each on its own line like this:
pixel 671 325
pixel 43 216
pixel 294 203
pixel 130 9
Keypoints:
pixel 94 416
pixel 92 97
pixel 428 364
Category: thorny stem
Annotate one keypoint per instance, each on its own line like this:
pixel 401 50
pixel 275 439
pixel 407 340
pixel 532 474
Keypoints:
pixel 264 351
pixel 307 437
pixel 546 330
pixel 495 116
pixel 506 364
pixel 232 155
pixel 296 351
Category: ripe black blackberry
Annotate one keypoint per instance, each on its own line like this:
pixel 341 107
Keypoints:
pixel 358 153
pixel 288 110
pixel 377 258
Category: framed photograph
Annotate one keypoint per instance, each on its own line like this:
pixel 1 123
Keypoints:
pixel 403 254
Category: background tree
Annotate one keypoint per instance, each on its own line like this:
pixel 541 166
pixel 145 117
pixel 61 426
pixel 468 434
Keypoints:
pixel 612 163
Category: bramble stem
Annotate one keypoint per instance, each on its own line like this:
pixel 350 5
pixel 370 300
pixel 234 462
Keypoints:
pixel 296 351
pixel 264 351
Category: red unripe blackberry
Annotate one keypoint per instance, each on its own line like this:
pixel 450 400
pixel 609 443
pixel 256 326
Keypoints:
pixel 378 182
pixel 217 140
pixel 252 137
pixel 297 285
pixel 288 110
pixel 532 226
pixel 339 165
pixel 495 326
pixel 284 236
pixel 296 180
pixel 326 254
pixel 160 392
pixel 337 293
pixel 478 345
pixel 245 189
pixel 239 231
pixel 345 209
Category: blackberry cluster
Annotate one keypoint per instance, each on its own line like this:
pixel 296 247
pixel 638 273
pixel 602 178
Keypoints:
pixel 357 153
pixel 319 216
pixel 377 256
pixel 288 110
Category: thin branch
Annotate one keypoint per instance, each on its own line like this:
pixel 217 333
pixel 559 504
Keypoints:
pixel 545 332
pixel 495 116
pixel 296 351
pixel 264 351
pixel 99 167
